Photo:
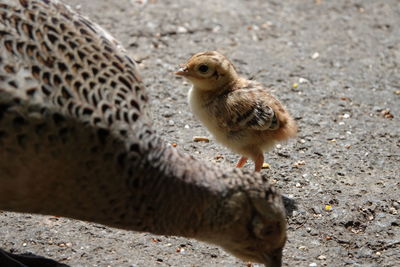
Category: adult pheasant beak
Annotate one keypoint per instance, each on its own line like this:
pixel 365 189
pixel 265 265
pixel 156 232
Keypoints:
pixel 183 71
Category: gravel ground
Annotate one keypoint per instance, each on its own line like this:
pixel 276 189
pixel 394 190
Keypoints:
pixel 334 64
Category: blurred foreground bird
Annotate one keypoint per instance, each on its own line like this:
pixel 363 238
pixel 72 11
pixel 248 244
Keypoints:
pixel 240 114
pixel 76 141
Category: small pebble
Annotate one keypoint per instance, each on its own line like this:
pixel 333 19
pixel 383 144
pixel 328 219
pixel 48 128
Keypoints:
pixel 322 257
pixel 299 163
pixel 181 250
pixel 392 210
pixel 386 114
pixel 171 123
pixel 313 264
pixel 315 55
pixel 346 116
pixel 303 80
pixel 181 29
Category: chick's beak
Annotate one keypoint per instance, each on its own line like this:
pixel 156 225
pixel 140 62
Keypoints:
pixel 183 71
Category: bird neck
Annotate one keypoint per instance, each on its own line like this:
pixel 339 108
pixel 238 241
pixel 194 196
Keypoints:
pixel 183 192
pixel 205 96
pixel 137 183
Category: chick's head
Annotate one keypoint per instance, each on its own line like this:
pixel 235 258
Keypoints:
pixel 208 71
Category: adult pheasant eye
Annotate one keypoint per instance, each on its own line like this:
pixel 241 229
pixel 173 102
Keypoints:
pixel 203 68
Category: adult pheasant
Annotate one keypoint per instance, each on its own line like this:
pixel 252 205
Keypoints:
pixel 76 141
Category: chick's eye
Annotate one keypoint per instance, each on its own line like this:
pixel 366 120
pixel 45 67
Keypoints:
pixel 203 68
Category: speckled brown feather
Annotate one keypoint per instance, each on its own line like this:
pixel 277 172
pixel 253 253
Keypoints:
pixel 76 141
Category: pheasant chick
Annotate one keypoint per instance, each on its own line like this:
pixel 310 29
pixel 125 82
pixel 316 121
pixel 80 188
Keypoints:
pixel 240 114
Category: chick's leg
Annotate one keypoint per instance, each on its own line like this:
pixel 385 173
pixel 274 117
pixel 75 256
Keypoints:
pixel 241 162
pixel 258 162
